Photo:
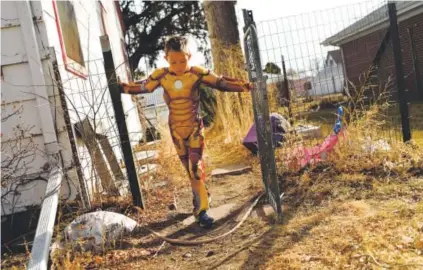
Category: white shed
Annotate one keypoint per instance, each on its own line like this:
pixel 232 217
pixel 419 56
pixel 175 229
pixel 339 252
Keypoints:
pixel 48 46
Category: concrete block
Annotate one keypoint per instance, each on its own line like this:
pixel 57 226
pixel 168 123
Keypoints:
pixel 309 131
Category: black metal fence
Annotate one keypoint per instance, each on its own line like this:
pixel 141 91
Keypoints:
pixel 350 55
pixel 356 56
pixel 102 147
pixel 261 114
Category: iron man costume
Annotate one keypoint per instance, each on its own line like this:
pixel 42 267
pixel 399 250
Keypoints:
pixel 182 96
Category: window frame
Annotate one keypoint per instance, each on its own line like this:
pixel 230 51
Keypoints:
pixel 70 65
pixel 103 18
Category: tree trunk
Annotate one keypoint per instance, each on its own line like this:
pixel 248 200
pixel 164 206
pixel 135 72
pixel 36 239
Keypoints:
pixel 233 110
pixel 223 31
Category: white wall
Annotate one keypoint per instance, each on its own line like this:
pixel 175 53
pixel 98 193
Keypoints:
pixel 24 129
pixel 85 97
pixel 115 37
pixel 90 97
pixel 329 80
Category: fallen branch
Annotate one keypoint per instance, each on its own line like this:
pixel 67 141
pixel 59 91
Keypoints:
pixel 161 246
pixel 389 265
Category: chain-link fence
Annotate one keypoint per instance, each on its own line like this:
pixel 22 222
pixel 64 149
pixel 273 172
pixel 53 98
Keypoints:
pixel 100 140
pixel 261 114
pixel 350 56
pixel 320 60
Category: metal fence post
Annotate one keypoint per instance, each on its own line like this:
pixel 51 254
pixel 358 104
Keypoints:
pixel 85 196
pixel 288 94
pixel 402 95
pixel 121 123
pixel 261 114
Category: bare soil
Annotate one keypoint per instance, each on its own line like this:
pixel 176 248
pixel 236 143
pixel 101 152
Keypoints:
pixel 331 221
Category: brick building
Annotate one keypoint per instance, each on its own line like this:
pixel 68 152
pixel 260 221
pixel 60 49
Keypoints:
pixel 364 41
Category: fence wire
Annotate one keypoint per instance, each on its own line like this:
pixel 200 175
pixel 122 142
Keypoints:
pixel 318 61
pixel 95 125
pixel 261 115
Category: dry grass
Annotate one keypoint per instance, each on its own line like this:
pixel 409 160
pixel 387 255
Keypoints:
pixel 233 113
pixel 351 218
pixel 356 210
pixel 358 234
pixel 234 110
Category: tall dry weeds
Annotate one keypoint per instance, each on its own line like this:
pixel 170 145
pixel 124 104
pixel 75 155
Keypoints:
pixel 234 114
pixel 366 142
pixel 234 110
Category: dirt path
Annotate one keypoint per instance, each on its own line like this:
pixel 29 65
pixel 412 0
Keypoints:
pixel 331 221
pixel 151 253
pixel 367 224
pixel 143 251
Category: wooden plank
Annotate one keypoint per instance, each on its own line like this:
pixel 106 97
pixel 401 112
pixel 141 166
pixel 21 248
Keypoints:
pixel 217 213
pixel 111 157
pixel 231 170
pixel 100 165
pixel 44 233
pixel 144 157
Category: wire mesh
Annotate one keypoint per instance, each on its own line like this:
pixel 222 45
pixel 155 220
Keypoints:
pixel 94 122
pixel 261 116
pixel 318 61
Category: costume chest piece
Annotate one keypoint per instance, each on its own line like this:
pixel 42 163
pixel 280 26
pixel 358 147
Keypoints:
pixel 178 84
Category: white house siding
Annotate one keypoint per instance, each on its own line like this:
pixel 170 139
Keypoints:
pixel 92 92
pixel 18 93
pixel 115 37
pixel 329 80
pixel 82 94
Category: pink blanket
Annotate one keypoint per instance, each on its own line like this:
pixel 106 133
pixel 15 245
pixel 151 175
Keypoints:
pixel 299 157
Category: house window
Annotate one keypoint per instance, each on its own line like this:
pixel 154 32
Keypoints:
pixel 102 17
pixel 69 37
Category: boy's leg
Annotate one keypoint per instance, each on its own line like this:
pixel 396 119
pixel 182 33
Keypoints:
pixel 181 150
pixel 199 188
pixel 188 157
pixel 190 152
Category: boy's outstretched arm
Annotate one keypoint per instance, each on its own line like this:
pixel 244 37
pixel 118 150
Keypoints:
pixel 144 86
pixel 223 83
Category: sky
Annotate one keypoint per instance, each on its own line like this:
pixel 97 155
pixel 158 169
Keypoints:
pixel 295 29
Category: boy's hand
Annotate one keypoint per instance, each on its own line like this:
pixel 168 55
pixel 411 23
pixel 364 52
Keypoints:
pixel 122 86
pixel 249 86
pixel 127 86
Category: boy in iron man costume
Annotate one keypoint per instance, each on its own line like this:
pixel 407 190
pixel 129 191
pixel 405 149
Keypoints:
pixel 182 96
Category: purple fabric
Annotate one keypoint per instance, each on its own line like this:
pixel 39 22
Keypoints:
pixel 279 127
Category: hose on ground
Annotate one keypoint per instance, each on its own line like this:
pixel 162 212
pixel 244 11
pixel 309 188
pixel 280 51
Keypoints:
pixel 205 241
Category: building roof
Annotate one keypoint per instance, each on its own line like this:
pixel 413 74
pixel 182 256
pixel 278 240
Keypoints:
pixel 375 20
pixel 336 56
